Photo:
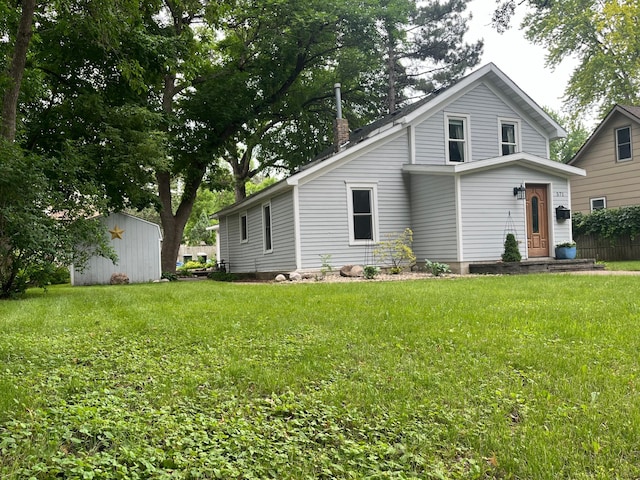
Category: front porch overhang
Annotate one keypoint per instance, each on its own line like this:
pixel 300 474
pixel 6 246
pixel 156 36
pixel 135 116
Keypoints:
pixel 524 159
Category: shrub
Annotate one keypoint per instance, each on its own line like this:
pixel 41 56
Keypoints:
pixel 172 277
pixel 436 268
pixel 326 264
pixel 609 222
pixel 511 250
pixel 396 250
pixel 371 271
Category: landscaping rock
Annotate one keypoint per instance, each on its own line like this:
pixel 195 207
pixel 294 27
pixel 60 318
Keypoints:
pixel 119 279
pixel 281 278
pixel 352 271
pixel 295 277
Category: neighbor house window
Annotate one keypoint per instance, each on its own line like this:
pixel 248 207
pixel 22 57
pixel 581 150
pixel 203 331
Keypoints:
pixel 244 232
pixel 509 136
pixel 266 222
pixel 623 144
pixel 457 138
pixel 362 213
pixel 598 203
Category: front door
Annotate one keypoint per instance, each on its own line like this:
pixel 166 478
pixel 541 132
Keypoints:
pixel 537 221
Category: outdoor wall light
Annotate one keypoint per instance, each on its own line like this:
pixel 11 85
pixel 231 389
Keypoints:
pixel 519 192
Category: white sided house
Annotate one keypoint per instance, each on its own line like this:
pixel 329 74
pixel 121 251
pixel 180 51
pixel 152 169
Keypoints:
pixel 461 168
pixel 137 244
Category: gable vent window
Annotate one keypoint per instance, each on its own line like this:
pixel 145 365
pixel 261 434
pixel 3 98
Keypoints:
pixel 623 144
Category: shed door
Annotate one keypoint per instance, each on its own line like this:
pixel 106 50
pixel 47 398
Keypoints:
pixel 537 221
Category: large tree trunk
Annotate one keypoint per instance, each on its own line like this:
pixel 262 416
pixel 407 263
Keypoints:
pixel 16 71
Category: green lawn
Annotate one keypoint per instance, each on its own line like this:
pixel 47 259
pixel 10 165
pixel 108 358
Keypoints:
pixel 631 265
pixel 521 377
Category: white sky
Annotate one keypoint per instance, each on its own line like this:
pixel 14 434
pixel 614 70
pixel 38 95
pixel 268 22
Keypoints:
pixel 519 59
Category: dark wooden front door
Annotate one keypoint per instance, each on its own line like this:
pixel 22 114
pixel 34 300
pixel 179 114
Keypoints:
pixel 537 221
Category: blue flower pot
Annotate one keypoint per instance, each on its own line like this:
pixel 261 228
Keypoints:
pixel 565 253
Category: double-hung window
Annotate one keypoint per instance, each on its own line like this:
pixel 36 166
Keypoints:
pixel 244 230
pixel 362 200
pixel 623 144
pixel 457 133
pixel 509 136
pixel 266 223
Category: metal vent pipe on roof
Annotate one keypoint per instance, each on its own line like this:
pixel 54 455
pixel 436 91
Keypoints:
pixel 336 87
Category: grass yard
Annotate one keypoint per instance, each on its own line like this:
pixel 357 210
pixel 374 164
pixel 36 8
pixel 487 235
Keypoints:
pixel 523 377
pixel 629 266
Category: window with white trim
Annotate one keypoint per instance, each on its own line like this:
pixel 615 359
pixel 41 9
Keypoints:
pixel 266 223
pixel 244 230
pixel 598 203
pixel 509 136
pixel 362 200
pixel 623 144
pixel 457 135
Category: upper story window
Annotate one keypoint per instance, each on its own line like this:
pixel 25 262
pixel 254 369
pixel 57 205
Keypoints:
pixel 362 201
pixel 266 222
pixel 509 136
pixel 244 231
pixel 598 204
pixel 457 128
pixel 623 144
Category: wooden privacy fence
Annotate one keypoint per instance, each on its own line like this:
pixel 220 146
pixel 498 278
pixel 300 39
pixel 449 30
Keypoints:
pixel 607 249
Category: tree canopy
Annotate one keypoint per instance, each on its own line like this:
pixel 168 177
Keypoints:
pixel 600 34
pixel 121 100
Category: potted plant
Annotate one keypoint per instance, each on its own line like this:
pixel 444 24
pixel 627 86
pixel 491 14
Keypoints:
pixel 566 251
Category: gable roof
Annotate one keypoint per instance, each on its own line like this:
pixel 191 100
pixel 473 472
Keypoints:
pixel 631 112
pixel 395 122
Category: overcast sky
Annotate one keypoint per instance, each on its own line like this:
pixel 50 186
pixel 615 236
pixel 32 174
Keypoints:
pixel 519 59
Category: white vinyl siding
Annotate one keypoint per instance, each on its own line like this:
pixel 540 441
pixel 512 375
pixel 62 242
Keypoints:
pixel 484 109
pixel 324 210
pixel 433 217
pixel 251 255
pixel 490 210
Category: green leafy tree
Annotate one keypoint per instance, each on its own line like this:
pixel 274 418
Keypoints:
pixel 601 34
pixel 564 149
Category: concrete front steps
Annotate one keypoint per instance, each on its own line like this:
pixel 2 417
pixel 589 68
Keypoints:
pixel 536 265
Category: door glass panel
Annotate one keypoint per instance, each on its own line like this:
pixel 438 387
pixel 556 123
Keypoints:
pixel 535 218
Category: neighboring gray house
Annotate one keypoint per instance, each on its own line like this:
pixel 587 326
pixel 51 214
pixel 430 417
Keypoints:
pixel 611 158
pixel 461 168
pixel 137 243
